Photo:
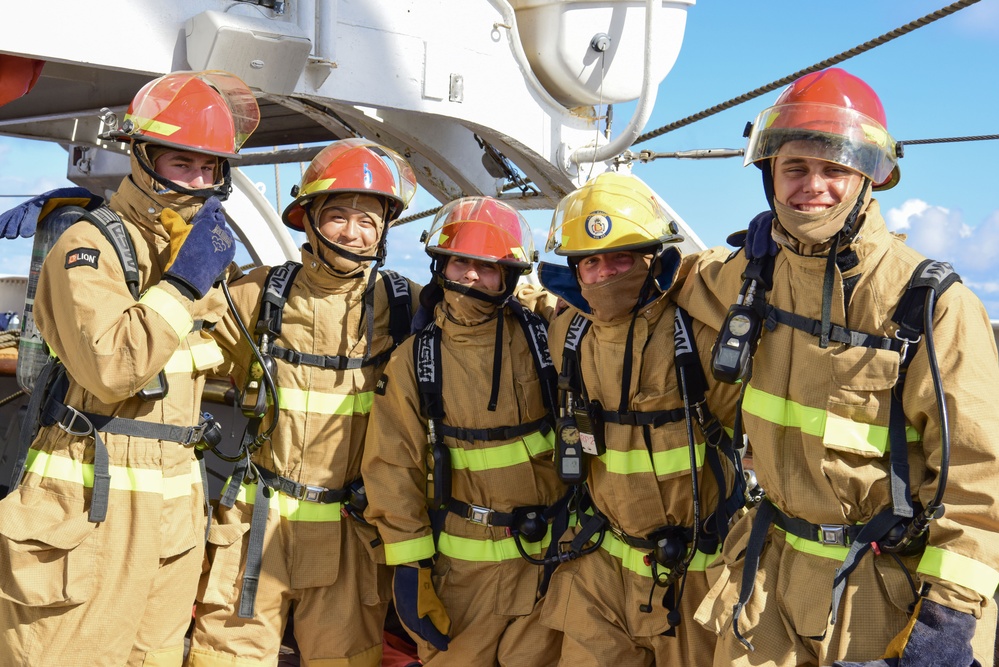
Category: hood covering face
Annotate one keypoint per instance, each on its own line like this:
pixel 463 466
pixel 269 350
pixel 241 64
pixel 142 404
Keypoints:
pixel 814 229
pixel 616 297
pixel 343 261
pixel 164 198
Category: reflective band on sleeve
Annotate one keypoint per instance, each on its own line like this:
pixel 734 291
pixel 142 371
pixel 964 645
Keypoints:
pixel 292 508
pixel 181 363
pixel 488 551
pixel 638 461
pixel 123 478
pixel 634 559
pixel 171 310
pixel 960 570
pixel 830 551
pixel 833 429
pixel 206 354
pixel 501 456
pixel 325 404
pixel 410 551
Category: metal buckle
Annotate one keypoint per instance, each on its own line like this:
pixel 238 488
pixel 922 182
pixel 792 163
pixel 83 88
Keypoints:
pixel 906 342
pixel 313 494
pixel 479 515
pixel 76 414
pixel 832 534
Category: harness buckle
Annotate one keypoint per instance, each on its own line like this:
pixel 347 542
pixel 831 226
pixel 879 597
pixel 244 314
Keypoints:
pixel 479 515
pixel 312 494
pixel 293 357
pixel 74 415
pixel 832 534
pixel 906 342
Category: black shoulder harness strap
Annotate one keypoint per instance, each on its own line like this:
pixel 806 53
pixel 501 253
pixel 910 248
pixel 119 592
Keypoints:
pixel 277 289
pixel 716 439
pixel 113 229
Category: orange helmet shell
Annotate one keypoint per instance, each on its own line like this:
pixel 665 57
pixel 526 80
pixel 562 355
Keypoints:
pixel 359 166
pixel 210 112
pixel 837 117
pixel 484 229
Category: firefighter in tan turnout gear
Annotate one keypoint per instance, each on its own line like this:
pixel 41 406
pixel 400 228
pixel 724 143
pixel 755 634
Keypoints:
pixel 459 454
pixel 869 405
pixel 325 328
pixel 658 488
pixel 101 544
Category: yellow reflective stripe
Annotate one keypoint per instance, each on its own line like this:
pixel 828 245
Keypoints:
pixel 316 186
pixel 181 362
pixel 488 551
pixel 834 430
pixel 831 551
pixel 502 456
pixel 292 508
pixel 960 570
pixel 410 551
pixel 171 310
pixel 206 354
pixel 634 559
pixel 123 478
pixel 638 461
pixel 318 402
pixel 152 125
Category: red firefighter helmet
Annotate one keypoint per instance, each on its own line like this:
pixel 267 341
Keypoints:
pixel 354 165
pixel 484 229
pixel 211 112
pixel 17 76
pixel 831 115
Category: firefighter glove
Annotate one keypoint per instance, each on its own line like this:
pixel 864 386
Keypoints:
pixel 759 240
pixel 205 252
pixel 935 635
pixel 418 606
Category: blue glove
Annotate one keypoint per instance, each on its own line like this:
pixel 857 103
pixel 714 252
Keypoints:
pixel 23 218
pixel 759 240
pixel 418 606
pixel 205 254
pixel 936 635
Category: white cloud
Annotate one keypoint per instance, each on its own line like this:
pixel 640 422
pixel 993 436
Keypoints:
pixel 942 234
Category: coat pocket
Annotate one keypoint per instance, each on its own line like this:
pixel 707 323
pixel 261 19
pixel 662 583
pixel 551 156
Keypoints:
pixel 224 553
pixel 860 401
pixel 46 559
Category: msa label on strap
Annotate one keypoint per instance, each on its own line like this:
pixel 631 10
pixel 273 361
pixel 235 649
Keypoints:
pixel 277 283
pixel 397 284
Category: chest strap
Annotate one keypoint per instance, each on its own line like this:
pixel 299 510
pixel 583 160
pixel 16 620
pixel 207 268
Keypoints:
pixel 775 316
pixel 305 492
pixel 499 433
pixel 333 362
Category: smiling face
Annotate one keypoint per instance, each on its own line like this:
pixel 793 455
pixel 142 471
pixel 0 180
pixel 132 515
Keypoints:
pixel 595 269
pixel 472 272
pixel 809 184
pixel 348 227
pixel 187 168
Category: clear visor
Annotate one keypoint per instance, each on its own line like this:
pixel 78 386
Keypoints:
pixel 827 132
pixel 483 229
pixel 149 104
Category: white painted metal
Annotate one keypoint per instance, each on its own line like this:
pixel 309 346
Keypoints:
pixel 253 217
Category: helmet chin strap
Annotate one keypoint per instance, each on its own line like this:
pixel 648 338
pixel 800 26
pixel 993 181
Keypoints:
pixel 220 190
pixel 509 280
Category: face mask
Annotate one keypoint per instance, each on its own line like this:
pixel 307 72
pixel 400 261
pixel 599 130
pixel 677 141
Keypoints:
pixel 616 297
pixel 468 310
pixel 814 228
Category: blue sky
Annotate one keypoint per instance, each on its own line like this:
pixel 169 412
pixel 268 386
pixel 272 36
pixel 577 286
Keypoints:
pixel 940 81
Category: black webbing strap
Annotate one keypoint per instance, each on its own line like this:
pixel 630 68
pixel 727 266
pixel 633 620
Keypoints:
pixel 765 513
pixel 113 229
pixel 277 289
pixel 653 418
pixel 572 374
pixel 330 361
pixel 427 363
pixel 872 532
pixel 535 330
pixel 775 316
pixel 842 535
pixel 254 550
pixel 400 302
pixel 304 492
pixel 542 425
pixel 483 516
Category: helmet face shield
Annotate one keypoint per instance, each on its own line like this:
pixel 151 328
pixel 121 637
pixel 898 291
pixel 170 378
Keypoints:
pixel 836 134
pixel 211 112
pixel 610 212
pixel 483 229
pixel 355 166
